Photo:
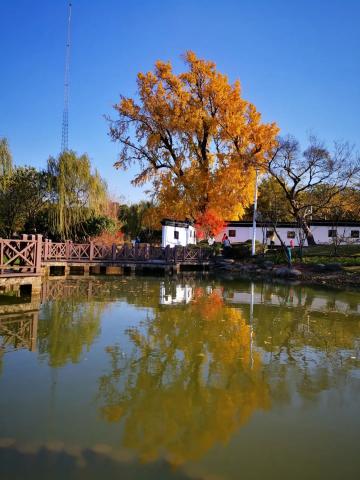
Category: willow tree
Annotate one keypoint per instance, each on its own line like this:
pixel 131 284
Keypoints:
pixel 6 164
pixel 77 193
pixel 195 137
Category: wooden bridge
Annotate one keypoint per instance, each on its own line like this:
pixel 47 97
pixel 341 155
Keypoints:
pixel 30 254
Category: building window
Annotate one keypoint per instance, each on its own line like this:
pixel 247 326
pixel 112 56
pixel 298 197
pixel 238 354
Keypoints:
pixel 355 234
pixel 232 233
pixel 291 234
pixel 269 233
pixel 332 233
pixel 176 235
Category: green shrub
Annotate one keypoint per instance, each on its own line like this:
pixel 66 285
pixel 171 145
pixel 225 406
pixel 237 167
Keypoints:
pixel 241 251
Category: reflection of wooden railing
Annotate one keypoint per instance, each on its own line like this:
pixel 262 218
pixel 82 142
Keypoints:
pixel 19 331
pixel 21 256
pixel 24 256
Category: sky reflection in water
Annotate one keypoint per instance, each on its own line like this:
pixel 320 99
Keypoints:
pixel 164 378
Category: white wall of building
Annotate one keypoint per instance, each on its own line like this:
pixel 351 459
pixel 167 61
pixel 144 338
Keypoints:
pixel 186 235
pixel 320 232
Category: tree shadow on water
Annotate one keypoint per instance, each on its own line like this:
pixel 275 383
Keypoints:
pixel 86 465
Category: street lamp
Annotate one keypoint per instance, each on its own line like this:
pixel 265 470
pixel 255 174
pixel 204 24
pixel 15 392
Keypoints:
pixel 253 244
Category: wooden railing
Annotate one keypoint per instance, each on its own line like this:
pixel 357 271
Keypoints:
pixel 25 256
pixel 92 252
pixel 21 256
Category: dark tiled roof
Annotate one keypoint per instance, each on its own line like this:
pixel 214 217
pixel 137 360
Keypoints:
pixel 176 223
pixel 314 223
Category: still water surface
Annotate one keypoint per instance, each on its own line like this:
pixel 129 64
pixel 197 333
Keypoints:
pixel 148 378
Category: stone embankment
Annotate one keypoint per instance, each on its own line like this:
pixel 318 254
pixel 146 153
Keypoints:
pixel 331 274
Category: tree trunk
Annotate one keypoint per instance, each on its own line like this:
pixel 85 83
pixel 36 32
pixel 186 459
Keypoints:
pixel 308 233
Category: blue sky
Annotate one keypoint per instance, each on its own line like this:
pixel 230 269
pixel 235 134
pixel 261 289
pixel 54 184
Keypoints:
pixel 298 62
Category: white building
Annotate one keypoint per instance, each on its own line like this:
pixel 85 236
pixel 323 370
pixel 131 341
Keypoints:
pixel 324 232
pixel 176 232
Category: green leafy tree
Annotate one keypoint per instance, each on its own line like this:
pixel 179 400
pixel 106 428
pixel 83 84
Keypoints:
pixel 272 204
pixel 96 225
pixel 5 159
pixel 22 199
pixel 135 219
pixel 77 193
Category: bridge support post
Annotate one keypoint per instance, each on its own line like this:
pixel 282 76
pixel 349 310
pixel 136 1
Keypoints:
pixel 114 270
pixel 96 270
pixel 86 270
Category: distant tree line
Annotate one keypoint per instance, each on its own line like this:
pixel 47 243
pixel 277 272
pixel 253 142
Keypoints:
pixel 67 200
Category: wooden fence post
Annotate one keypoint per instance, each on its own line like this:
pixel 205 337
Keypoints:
pixel 46 249
pixel 38 248
pixel 67 250
pixel 113 252
pixel 91 252
pixel 1 255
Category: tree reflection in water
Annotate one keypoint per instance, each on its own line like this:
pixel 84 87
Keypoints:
pixel 191 381
pixel 198 372
pixel 66 328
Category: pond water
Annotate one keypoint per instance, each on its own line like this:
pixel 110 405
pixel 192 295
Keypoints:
pixel 158 378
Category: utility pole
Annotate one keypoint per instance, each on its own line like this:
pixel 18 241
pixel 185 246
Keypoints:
pixel 65 118
pixel 253 244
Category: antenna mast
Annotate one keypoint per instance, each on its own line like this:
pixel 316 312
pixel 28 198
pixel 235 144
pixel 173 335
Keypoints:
pixel 65 118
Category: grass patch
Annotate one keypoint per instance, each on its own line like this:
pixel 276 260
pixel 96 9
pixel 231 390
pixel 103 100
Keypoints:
pixel 314 259
pixel 328 250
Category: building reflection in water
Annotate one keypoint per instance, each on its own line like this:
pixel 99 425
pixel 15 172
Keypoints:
pixel 173 296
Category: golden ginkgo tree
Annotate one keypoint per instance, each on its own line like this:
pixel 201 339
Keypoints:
pixel 194 137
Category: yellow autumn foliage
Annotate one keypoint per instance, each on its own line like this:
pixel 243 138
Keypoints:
pixel 195 137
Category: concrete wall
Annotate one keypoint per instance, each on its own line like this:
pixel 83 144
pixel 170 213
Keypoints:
pixel 320 232
pixel 186 236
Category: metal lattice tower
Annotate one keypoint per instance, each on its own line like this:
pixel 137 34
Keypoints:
pixel 65 119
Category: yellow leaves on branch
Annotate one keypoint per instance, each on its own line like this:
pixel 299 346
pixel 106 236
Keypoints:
pixel 195 137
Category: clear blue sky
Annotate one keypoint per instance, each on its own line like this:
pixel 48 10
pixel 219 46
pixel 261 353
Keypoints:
pixel 298 62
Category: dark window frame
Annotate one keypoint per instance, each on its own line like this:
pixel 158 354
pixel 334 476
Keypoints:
pixel 176 234
pixel 291 234
pixel 355 234
pixel 232 233
pixel 332 233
